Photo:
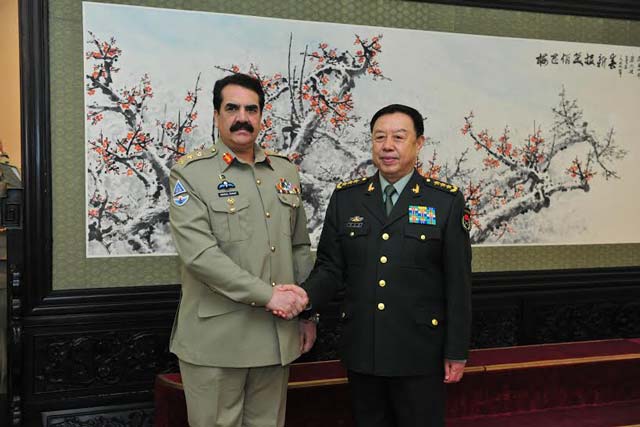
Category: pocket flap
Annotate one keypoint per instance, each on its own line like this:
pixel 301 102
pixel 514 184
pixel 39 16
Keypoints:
pixel 229 204
pixel 292 200
pixel 423 232
pixel 213 304
pixel 354 229
pixel 432 317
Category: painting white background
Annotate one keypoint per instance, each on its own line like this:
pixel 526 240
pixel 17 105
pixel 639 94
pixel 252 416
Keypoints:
pixel 443 75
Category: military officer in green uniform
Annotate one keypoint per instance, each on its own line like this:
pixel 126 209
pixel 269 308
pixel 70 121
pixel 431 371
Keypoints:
pixel 398 244
pixel 240 230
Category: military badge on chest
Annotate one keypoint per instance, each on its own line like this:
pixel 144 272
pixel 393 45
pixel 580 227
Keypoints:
pixel 285 187
pixel 355 222
pixel 422 215
pixel 226 188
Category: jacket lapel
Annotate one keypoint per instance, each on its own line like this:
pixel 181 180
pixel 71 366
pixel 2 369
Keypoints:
pixel 372 199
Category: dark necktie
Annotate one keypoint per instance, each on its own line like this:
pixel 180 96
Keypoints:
pixel 389 190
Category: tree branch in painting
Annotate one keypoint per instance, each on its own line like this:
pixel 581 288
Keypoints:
pixel 129 168
pixel 516 179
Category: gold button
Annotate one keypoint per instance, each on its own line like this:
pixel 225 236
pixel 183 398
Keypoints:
pixel 273 283
pixel 423 237
pixel 380 306
pixel 231 201
pixel 213 149
pixel 258 181
pixel 268 214
pixel 382 283
pixel 273 248
pixel 253 304
pixel 232 209
pixel 383 259
pixel 434 322
pixel 352 234
pixel 385 236
pixel 294 205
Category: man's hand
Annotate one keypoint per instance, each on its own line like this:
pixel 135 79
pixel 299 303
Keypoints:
pixel 453 371
pixel 307 335
pixel 287 301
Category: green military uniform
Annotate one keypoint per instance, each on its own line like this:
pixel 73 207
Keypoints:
pixel 239 229
pixel 407 283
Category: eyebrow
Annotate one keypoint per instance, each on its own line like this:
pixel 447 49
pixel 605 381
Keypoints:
pixel 248 106
pixel 393 131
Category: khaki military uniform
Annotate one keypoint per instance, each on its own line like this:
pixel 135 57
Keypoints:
pixel 239 229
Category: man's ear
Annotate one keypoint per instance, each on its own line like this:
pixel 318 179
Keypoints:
pixel 420 141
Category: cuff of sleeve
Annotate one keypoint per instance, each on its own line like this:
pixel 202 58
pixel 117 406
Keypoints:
pixel 262 295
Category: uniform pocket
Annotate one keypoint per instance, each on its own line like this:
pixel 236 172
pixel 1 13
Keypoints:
pixel 431 317
pixel 422 245
pixel 289 204
pixel 213 304
pixel 354 238
pixel 230 220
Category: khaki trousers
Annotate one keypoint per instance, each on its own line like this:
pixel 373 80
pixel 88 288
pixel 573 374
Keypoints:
pixel 235 397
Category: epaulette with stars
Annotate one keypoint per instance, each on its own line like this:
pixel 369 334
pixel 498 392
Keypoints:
pixel 346 184
pixel 196 155
pixel 442 186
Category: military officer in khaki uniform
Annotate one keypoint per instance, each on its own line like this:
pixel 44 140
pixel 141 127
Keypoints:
pixel 398 244
pixel 240 230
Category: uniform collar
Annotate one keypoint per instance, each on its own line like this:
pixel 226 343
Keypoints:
pixel 398 185
pixel 229 158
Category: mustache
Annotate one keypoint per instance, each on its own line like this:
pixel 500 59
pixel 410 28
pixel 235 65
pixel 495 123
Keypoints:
pixel 241 126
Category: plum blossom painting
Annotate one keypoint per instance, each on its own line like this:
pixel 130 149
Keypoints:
pixel 540 136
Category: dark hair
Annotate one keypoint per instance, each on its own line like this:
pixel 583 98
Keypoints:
pixel 243 80
pixel 399 108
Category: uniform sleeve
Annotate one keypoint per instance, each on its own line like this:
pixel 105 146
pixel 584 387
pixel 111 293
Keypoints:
pixel 199 251
pixel 301 247
pixel 326 278
pixel 457 269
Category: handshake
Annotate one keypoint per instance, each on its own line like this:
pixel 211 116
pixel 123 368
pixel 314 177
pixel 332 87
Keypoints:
pixel 287 301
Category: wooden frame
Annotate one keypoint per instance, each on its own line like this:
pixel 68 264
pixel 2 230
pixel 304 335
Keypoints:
pixel 38 311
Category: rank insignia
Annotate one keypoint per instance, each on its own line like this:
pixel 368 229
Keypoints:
pixel 355 222
pixel 350 183
pixel 422 215
pixel 416 189
pixel 466 219
pixel 228 158
pixel 285 187
pixel 371 187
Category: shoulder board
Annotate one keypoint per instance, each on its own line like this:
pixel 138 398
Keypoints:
pixel 442 186
pixel 197 155
pixel 346 184
pixel 276 154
